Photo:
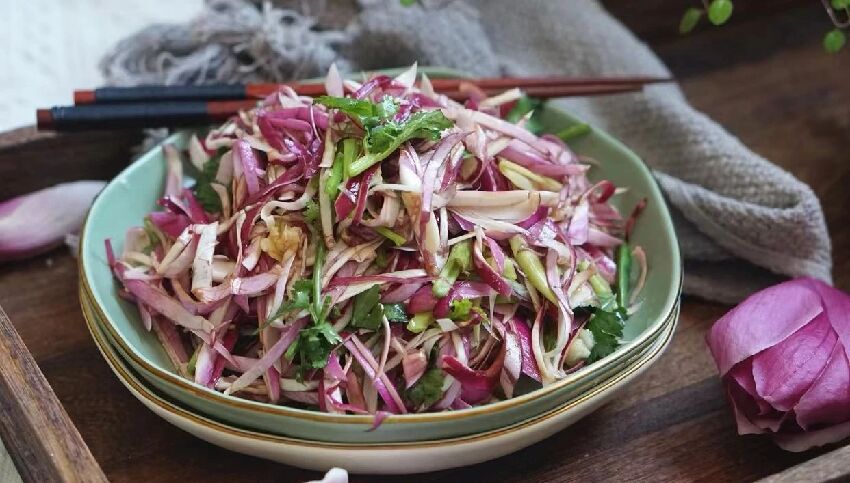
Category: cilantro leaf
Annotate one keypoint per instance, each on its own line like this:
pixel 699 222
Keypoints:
pixel 203 190
pixel 388 107
pixel 383 139
pixel 358 108
pixel 368 312
pixel 395 313
pixel 315 344
pixel 383 133
pixel 367 113
pixel 300 300
pixel 428 389
pixel 316 341
pixel 607 329
pixel 523 106
pixel 300 297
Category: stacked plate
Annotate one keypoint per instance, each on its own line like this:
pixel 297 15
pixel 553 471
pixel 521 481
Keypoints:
pixel 404 443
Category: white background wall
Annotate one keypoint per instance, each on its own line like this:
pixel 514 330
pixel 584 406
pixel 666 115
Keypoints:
pixel 50 47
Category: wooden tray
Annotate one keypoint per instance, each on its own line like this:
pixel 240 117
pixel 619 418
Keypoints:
pixel 785 98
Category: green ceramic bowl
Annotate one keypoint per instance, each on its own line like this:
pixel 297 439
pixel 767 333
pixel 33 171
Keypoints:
pixel 343 432
pixel 133 193
pixel 386 458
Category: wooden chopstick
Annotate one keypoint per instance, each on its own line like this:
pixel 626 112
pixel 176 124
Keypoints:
pixel 252 91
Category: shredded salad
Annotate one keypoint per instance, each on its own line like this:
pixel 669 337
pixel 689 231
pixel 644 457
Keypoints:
pixel 382 250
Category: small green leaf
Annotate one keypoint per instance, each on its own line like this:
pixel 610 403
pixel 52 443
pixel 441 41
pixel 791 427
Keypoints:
pixel 292 350
pixel 387 108
pixel 607 329
pixel 203 191
pixel 428 389
pixel 407 3
pixel 368 313
pixel 395 313
pixel 314 345
pixel 300 300
pixel 839 4
pixel 690 20
pixel 834 41
pixel 719 11
pixel 358 108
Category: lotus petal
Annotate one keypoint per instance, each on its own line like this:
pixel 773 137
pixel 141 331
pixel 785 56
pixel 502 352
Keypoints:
pixel 742 333
pixel 802 441
pixel 35 223
pixel 784 372
pixel 826 401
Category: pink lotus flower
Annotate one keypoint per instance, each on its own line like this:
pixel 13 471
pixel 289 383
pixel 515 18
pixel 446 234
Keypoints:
pixel 783 356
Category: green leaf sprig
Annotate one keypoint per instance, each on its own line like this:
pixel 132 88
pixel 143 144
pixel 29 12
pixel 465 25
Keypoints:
pixel 383 133
pixel 316 341
pixel 203 190
pixel 607 328
pixel 368 312
pixel 719 12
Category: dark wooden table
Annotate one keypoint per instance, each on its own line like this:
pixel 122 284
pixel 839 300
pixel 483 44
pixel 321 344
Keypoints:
pixel 764 77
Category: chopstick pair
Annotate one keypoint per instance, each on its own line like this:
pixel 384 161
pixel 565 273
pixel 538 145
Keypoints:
pixel 162 106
